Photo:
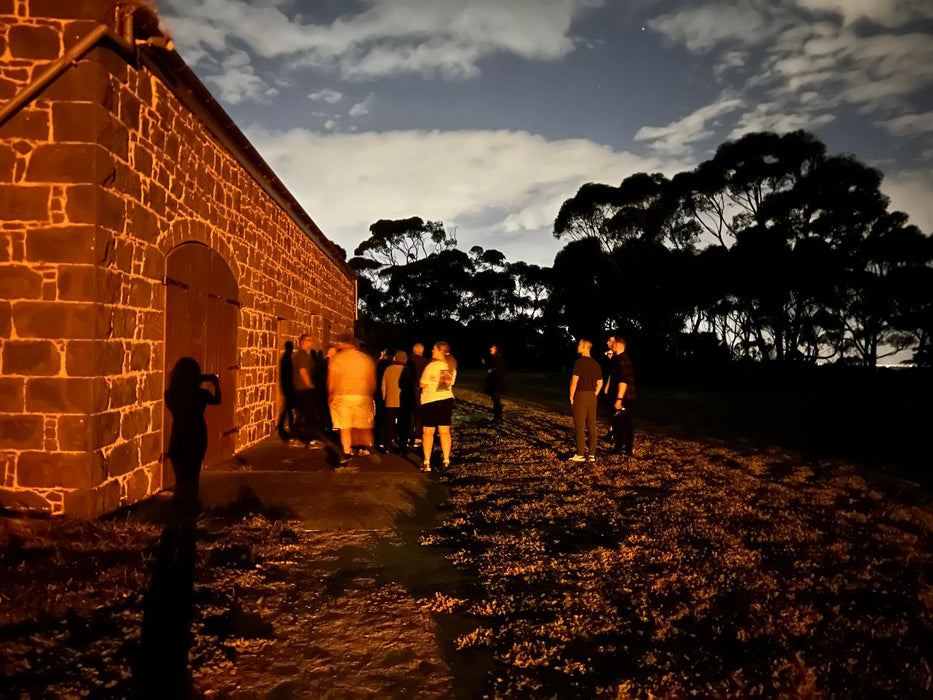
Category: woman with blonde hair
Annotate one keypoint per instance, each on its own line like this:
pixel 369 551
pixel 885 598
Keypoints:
pixel 437 402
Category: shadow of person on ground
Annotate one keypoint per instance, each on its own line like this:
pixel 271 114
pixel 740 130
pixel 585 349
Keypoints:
pixel 161 668
pixel 427 570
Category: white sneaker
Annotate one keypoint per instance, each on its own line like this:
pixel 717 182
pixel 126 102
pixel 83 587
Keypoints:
pixel 578 458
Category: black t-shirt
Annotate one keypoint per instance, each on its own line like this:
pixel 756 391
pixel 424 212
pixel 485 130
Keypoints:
pixel 622 372
pixel 302 360
pixel 589 373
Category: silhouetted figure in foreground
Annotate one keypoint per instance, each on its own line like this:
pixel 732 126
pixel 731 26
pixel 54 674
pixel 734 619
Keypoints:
pixel 161 668
pixel 186 400
pixel 495 381
pixel 287 416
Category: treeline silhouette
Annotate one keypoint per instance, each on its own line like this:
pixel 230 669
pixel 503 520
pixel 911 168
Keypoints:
pixel 770 253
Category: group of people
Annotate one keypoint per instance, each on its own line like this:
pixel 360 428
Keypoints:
pixel 397 402
pixel 614 380
pixel 402 401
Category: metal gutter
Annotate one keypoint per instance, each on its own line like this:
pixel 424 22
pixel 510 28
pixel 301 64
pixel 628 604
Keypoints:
pixel 70 58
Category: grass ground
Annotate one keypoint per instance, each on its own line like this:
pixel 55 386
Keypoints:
pixel 696 569
pixel 706 567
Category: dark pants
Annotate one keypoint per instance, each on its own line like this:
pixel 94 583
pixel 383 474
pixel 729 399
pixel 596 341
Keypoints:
pixel 396 425
pixel 308 425
pixel 623 431
pixel 306 408
pixel 287 416
pixel 584 420
pixel 496 407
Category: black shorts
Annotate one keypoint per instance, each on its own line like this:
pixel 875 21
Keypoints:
pixel 435 413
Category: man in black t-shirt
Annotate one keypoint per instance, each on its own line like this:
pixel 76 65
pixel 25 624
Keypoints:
pixel 303 369
pixel 621 392
pixel 585 384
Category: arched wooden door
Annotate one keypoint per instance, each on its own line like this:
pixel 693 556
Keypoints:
pixel 201 320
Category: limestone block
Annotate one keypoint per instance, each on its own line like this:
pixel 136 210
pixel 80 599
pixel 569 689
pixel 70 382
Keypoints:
pixel 21 432
pixel 31 357
pixel 23 501
pixel 22 203
pixel 66 244
pixel 50 319
pixel 70 163
pixel 20 282
pixel 71 470
pixel 91 358
pixel 66 395
pixel 30 41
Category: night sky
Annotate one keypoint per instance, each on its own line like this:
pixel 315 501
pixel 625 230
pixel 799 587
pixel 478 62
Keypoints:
pixel 487 114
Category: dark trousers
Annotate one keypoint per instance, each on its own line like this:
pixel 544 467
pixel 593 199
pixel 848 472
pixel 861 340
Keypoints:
pixel 584 420
pixel 287 416
pixel 396 425
pixel 308 425
pixel 623 430
pixel 496 407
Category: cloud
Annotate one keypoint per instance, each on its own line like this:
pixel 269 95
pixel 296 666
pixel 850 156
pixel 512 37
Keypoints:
pixel 238 81
pixel 703 28
pixel 331 97
pixel 390 37
pixel 774 116
pixel 909 191
pixel 909 124
pixel 361 109
pixel 889 13
pixel 801 63
pixel 676 138
pixel 500 188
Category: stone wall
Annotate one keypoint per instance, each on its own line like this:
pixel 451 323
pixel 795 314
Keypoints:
pixel 100 178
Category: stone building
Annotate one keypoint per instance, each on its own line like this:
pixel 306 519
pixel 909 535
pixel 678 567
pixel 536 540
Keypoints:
pixel 137 226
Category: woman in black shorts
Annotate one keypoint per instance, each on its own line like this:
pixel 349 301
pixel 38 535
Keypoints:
pixel 437 402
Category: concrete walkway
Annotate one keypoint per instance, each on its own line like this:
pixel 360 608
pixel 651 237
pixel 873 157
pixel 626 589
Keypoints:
pixel 296 483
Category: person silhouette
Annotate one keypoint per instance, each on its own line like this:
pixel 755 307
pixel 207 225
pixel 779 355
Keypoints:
pixel 186 400
pixel 287 416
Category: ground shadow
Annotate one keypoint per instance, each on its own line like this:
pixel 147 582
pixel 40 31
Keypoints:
pixel 427 570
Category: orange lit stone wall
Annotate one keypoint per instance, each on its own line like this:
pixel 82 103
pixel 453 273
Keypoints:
pixel 100 177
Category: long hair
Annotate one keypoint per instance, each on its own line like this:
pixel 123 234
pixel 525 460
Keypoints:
pixel 444 347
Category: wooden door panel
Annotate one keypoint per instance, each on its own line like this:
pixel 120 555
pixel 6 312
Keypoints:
pixel 202 316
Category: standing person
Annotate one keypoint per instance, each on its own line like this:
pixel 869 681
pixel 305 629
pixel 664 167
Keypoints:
pixel 622 394
pixel 394 428
pixel 351 384
pixel 302 371
pixel 417 362
pixel 320 390
pixel 585 384
pixel 383 362
pixel 605 363
pixel 437 402
pixel 287 384
pixel 495 381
